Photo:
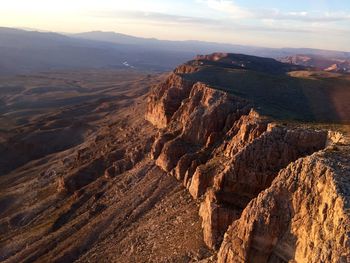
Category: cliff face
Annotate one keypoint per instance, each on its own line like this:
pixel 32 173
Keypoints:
pixel 166 99
pixel 303 216
pixel 247 173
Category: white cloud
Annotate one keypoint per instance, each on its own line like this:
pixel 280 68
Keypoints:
pixel 230 7
pixel 302 16
pixel 269 24
pixel 156 17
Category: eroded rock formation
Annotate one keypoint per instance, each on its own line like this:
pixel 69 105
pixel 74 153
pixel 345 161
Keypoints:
pixel 166 99
pixel 250 174
pixel 303 216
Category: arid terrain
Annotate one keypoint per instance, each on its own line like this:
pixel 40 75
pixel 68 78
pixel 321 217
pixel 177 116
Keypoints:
pixel 229 158
pixel 46 113
pixel 58 204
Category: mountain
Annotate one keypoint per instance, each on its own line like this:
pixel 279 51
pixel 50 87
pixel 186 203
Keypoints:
pixel 114 37
pixel 27 51
pixel 331 64
pixel 202 47
pixel 195 47
pixel 228 158
pixel 31 51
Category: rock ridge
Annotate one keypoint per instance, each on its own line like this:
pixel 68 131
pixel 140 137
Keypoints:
pixel 229 157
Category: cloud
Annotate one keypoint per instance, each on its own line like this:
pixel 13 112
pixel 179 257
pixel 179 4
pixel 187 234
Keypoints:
pixel 170 19
pixel 302 16
pixel 270 22
pixel 235 11
pixel 156 17
pixel 230 7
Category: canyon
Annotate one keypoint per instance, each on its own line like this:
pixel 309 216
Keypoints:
pixel 229 158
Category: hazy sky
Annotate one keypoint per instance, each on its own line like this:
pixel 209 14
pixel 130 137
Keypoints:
pixel 282 23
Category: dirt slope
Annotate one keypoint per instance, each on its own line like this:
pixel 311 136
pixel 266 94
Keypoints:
pixel 102 200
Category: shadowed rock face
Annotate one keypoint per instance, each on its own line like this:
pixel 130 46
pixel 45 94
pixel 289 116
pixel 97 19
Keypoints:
pixel 227 155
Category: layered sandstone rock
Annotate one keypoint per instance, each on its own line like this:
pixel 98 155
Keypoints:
pixel 244 131
pixel 216 216
pixel 253 168
pixel 226 154
pixel 166 98
pixel 208 113
pixel 302 217
pixel 239 179
pixel 201 121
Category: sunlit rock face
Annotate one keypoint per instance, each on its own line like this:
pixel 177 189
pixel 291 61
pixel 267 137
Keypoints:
pixel 302 217
pixel 255 180
pixel 166 99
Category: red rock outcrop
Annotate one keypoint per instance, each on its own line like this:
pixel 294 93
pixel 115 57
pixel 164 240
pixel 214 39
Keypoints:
pixel 302 217
pixel 216 216
pixel 166 98
pixel 171 153
pixel 239 179
pixel 253 168
pixel 212 57
pixel 208 113
pixel 226 154
pixel 202 119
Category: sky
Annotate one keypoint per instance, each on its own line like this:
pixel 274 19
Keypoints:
pixel 321 24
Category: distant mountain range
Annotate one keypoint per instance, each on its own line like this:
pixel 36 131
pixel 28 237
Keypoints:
pixel 202 47
pixel 24 51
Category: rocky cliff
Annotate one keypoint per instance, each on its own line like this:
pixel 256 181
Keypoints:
pixel 302 217
pixel 271 190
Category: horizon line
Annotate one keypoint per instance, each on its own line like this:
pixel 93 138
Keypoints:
pixel 27 29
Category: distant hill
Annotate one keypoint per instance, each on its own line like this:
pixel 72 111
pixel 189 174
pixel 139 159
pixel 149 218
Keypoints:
pixel 203 47
pixel 331 64
pixel 193 46
pixel 24 51
pixel 30 51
